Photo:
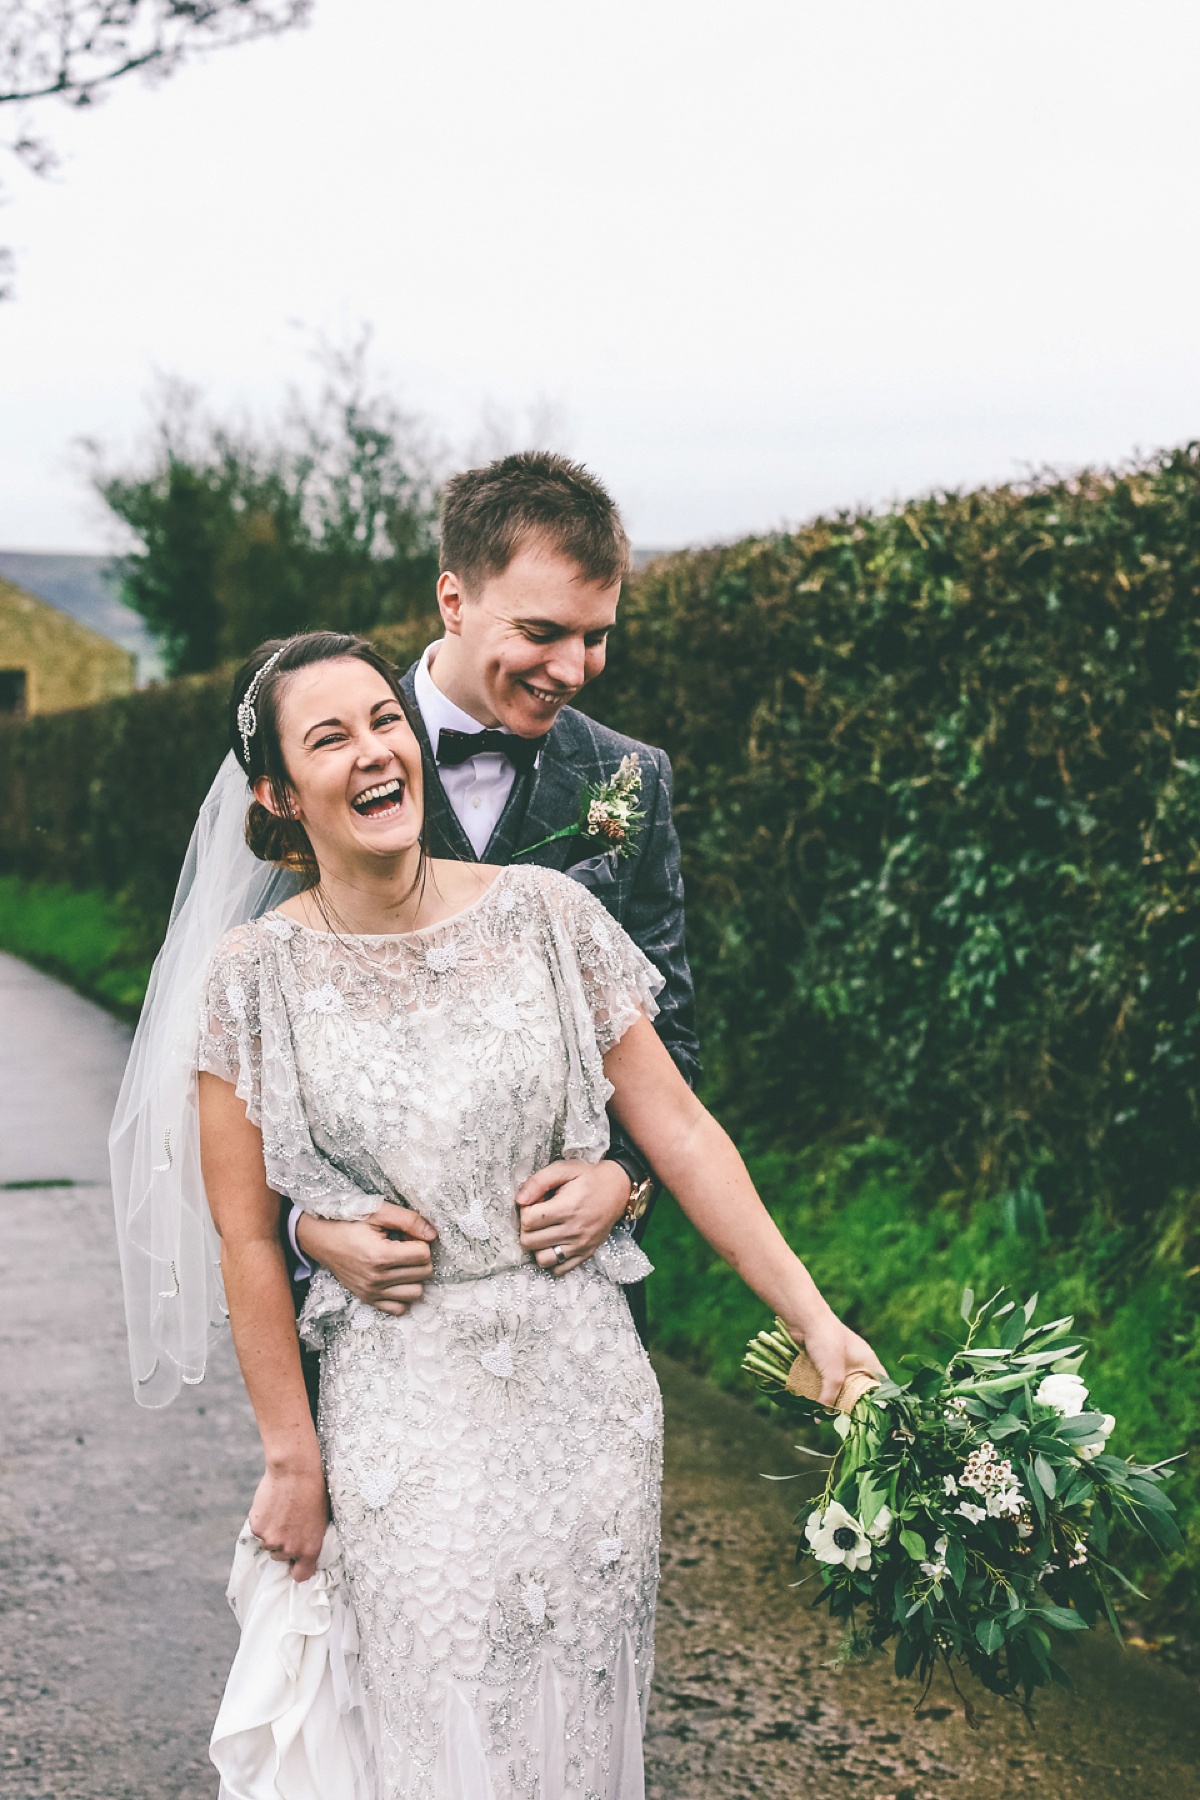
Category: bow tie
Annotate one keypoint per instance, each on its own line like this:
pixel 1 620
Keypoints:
pixel 455 747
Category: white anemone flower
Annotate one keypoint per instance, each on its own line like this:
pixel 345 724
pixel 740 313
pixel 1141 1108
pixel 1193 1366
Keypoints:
pixel 880 1528
pixel 1095 1446
pixel 937 1568
pixel 1067 1394
pixel 836 1536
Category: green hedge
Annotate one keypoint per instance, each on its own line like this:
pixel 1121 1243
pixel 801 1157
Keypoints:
pixel 938 780
pixel 106 797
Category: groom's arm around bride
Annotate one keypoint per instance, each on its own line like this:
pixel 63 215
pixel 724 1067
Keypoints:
pixel 533 554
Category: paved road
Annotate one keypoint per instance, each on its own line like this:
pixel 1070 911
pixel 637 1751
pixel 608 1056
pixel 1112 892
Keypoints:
pixel 117 1526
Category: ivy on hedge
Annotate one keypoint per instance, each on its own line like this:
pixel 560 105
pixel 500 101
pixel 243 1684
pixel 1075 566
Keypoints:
pixel 938 785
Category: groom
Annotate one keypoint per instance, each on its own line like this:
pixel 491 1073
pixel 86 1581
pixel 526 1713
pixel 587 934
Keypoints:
pixel 533 553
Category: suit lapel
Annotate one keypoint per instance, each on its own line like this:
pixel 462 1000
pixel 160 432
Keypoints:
pixel 444 836
pixel 553 801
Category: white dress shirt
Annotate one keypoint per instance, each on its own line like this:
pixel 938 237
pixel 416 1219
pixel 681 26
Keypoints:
pixel 478 788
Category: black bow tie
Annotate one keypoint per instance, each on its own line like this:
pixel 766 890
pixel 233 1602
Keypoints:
pixel 455 747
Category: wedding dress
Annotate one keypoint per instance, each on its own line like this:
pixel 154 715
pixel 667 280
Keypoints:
pixel 493 1456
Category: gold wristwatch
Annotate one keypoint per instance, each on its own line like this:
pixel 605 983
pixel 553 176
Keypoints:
pixel 639 1199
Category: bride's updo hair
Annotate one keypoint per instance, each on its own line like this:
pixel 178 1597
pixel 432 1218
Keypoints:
pixel 277 837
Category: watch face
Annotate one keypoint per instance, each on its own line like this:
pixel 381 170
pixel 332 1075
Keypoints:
pixel 640 1199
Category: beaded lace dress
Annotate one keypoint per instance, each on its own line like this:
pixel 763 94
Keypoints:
pixel 493 1456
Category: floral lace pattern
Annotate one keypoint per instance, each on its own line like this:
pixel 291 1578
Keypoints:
pixel 494 1455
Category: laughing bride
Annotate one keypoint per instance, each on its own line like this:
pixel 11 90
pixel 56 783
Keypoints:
pixel 490 1451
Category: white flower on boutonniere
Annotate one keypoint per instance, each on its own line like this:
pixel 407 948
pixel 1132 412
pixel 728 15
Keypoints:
pixel 609 813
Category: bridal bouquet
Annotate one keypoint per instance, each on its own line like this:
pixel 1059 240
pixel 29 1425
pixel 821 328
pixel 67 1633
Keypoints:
pixel 968 1510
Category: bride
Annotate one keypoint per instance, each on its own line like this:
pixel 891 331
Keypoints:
pixel 403 1028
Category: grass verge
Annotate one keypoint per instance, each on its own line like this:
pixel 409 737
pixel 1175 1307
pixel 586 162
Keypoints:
pixel 87 939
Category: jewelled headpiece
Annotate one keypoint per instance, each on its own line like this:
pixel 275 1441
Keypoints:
pixel 247 718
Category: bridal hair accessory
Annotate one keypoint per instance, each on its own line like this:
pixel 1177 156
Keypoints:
pixel 247 718
pixel 174 1300
pixel 969 1507
pixel 608 812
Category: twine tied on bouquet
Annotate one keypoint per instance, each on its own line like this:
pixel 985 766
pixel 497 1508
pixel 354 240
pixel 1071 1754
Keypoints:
pixel 804 1378
pixel 774 1356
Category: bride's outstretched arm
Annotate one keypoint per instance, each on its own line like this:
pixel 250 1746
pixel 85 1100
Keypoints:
pixel 695 1158
pixel 290 1509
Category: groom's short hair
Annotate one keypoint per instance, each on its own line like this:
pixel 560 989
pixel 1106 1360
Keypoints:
pixel 490 513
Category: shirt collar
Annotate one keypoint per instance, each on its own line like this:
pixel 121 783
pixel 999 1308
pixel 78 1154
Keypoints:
pixel 439 713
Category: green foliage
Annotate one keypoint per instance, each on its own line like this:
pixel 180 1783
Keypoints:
pixel 894 1265
pixel 328 521
pixel 938 774
pixel 87 939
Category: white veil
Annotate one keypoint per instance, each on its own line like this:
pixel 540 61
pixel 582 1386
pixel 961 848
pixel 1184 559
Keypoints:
pixel 174 1299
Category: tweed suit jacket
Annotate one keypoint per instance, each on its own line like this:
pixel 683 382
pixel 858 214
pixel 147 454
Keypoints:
pixel 643 892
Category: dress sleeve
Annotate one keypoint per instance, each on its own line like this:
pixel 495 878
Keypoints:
pixel 230 1043
pixel 619 981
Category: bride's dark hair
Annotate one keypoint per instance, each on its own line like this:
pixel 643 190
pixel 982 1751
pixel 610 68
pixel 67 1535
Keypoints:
pixel 277 837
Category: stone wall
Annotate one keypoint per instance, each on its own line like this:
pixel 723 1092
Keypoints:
pixel 64 664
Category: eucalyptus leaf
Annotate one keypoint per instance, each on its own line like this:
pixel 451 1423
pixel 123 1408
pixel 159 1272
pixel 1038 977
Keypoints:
pixel 871 1501
pixel 1014 1331
pixel 1061 1617
pixel 1163 1529
pixel 1146 1494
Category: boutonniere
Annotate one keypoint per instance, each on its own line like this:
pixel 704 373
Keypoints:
pixel 608 812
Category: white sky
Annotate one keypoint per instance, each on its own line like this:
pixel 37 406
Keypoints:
pixel 763 258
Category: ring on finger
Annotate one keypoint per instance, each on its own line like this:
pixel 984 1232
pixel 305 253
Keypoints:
pixel 561 1254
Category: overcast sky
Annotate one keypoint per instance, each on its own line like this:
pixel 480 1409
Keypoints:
pixel 758 259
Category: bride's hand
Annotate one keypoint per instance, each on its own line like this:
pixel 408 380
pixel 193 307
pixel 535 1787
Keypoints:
pixel 289 1516
pixel 835 1350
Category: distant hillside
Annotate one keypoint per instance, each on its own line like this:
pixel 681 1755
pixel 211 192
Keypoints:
pixel 81 586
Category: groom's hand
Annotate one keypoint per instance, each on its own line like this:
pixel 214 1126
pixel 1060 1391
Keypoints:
pixel 571 1206
pixel 369 1261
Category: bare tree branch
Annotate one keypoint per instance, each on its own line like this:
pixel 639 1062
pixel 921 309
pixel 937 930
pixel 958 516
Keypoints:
pixel 72 48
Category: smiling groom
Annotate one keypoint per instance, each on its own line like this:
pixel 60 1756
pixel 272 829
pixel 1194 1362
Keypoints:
pixel 533 554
